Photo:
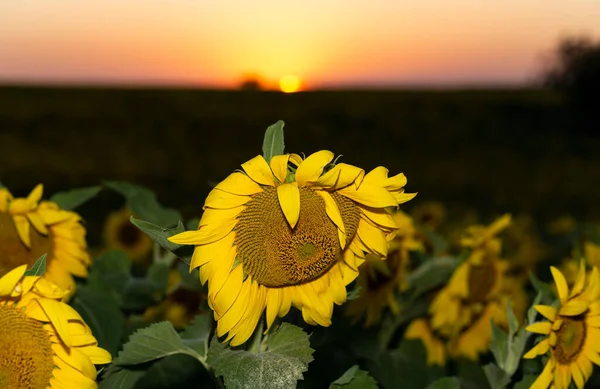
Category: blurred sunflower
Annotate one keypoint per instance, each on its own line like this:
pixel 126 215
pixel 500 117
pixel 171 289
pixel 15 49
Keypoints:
pixel 44 342
pixel 573 332
pixel 563 225
pixel 430 214
pixel 477 292
pixel 591 252
pixel 30 228
pixel 119 233
pixel 179 307
pixel 380 279
pixel 435 346
pixel 523 246
pixel 290 233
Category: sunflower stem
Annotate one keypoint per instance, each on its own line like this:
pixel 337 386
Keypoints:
pixel 255 344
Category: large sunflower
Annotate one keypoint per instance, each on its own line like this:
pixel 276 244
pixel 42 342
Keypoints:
pixel 44 342
pixel 379 279
pixel 30 228
pixel 573 332
pixel 290 233
pixel 119 233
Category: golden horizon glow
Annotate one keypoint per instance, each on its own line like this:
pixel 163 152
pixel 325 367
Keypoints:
pixel 290 84
pixel 335 43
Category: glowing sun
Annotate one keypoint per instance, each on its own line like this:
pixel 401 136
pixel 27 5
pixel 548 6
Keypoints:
pixel 290 84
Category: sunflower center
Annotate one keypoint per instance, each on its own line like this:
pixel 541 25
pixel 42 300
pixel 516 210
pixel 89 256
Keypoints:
pixel 481 281
pixel 276 255
pixel 570 339
pixel 26 360
pixel 14 252
pixel 129 235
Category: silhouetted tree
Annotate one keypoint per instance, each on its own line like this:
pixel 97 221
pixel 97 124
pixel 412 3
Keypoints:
pixel 575 71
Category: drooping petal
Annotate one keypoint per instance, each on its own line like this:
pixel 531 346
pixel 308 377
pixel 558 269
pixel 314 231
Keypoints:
pixel 279 166
pixel 205 234
pixel 580 281
pixel 573 308
pixel 372 237
pixel 541 327
pixel 311 168
pixel 258 169
pixel 547 311
pixel 274 297
pixel 333 212
pixel 289 200
pixel 23 229
pixel 239 184
pixel 9 281
pixel 37 223
pixel 370 195
pixel 339 177
pixel 539 349
pixel 230 291
pixel 219 199
pixel 206 253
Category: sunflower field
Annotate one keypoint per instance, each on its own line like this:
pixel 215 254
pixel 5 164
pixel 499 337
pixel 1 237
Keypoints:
pixel 302 271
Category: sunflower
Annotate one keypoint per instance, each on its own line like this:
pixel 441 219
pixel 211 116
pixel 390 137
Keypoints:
pixel 120 234
pixel 44 342
pixel 435 345
pixel 290 233
pixel 379 279
pixel 477 292
pixel 573 332
pixel 430 214
pixel 30 228
pixel 524 246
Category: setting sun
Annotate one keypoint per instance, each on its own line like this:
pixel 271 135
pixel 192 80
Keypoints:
pixel 289 84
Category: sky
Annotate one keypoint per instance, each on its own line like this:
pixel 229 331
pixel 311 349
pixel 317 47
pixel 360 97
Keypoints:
pixel 333 43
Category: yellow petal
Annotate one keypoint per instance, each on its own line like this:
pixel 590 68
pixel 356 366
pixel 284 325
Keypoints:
pixel 573 308
pixel 219 199
pixel 333 212
pixel 220 269
pixel 23 229
pixel 206 253
pixel 55 311
pixel 258 169
pixel 377 176
pixel 239 184
pixel 402 197
pixel 279 167
pixel 380 216
pixel 235 313
pixel 541 327
pixel 205 235
pixel 36 194
pixel 9 281
pixel 37 223
pixel 539 349
pixel 369 195
pixel 396 182
pixel 372 237
pixel 217 216
pixel 289 200
pixel 230 291
pixel 545 378
pixel 286 303
pixel 547 311
pixel 311 168
pixel 339 177
pixel 561 284
pixel 97 355
pixel 577 375
pixel 274 297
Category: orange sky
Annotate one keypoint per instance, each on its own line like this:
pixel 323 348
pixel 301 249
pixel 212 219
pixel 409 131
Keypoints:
pixel 327 43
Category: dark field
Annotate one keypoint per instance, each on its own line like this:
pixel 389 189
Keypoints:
pixel 493 151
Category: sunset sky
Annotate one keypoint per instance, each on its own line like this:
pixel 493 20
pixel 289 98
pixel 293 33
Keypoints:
pixel 332 43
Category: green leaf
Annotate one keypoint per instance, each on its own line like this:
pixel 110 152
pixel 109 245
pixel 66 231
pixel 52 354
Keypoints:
pixel 100 310
pixel 499 344
pixel 354 378
pixel 158 274
pixel 431 274
pixel 38 268
pixel 72 199
pixel 192 224
pixel 174 372
pixel 153 342
pixel 548 295
pixel 519 341
pixel 196 335
pixel 120 378
pixel 513 322
pixel 144 205
pixel 445 383
pixel 526 382
pixel 497 378
pixel 353 294
pixel 160 235
pixel 273 142
pixel 280 366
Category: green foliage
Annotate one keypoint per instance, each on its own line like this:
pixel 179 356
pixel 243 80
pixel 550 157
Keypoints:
pixel 286 356
pixel 548 295
pixel 445 383
pixel 273 142
pixel 432 273
pixel 196 335
pixel 160 235
pixel 72 199
pixel 38 268
pixel 354 378
pixel 143 204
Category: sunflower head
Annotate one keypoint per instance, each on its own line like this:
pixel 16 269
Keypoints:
pixel 290 231
pixel 44 342
pixel 430 214
pixel 482 240
pixel 119 233
pixel 30 227
pixel 572 331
